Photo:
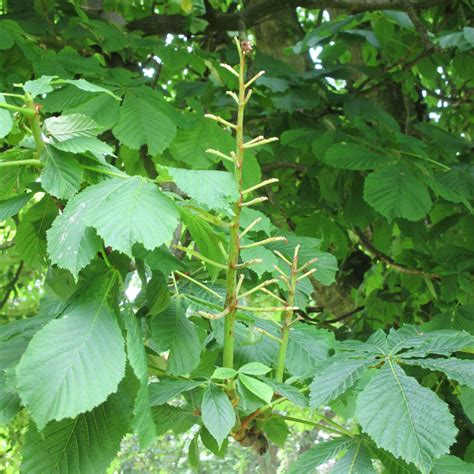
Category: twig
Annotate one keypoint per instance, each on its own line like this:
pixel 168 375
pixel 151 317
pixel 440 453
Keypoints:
pixel 369 247
pixel 11 285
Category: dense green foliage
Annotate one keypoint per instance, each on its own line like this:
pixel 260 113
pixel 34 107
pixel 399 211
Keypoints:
pixel 166 267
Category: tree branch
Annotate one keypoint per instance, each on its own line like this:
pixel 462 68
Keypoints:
pixel 11 285
pixel 369 247
pixel 255 14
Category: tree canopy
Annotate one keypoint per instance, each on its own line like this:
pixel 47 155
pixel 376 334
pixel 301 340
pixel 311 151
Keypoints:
pixel 231 218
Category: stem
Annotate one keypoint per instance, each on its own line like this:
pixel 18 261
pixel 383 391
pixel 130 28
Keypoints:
pixel 35 125
pixel 286 320
pixel 340 430
pixel 7 164
pixel 104 171
pixel 234 251
pixel 15 108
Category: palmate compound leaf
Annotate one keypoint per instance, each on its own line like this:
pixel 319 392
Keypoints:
pixel 85 444
pixel 461 370
pixel 218 414
pixel 124 211
pixel 72 364
pixel 404 418
pixel 395 191
pixel 335 379
pixel 211 189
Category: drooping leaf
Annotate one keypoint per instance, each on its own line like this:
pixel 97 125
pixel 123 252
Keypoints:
pixel 218 414
pixel 353 156
pixel 31 234
pixel 335 379
pixel 404 418
pixel 287 391
pixel 276 430
pixel 395 191
pixel 87 443
pixel 11 207
pixel 6 120
pixel 190 145
pixel 355 461
pixel 254 368
pixel 71 243
pixel 62 174
pixel 71 126
pixel 142 214
pixel 307 346
pixel 60 376
pixel 142 121
pixel 319 454
pixel 467 401
pixel 258 388
pixel 452 465
pixel 211 189
pixel 461 370
pixel 173 331
pixel 10 403
pixel 165 390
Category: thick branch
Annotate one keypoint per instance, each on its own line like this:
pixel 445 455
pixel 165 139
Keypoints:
pixel 369 247
pixel 255 14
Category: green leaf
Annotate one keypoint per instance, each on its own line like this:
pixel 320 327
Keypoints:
pixel 75 133
pixel 461 370
pixel 67 127
pixel 287 391
pixel 395 191
pixel 71 243
pixel 39 86
pixel 132 210
pixel 87 86
pixel 169 417
pixel 142 422
pixel 452 465
pixel 319 454
pixel 307 346
pixel 190 145
pixel 62 174
pixel 466 397
pixel 210 443
pixel 254 368
pixel 218 414
pixel 142 121
pixel 86 444
pixel 352 156
pixel 165 390
pixel 61 376
pixel 193 452
pixel 335 379
pixel 223 373
pixel 276 430
pixel 355 461
pixel 210 189
pixel 6 120
pixel 397 413
pixel 31 234
pixel 10 403
pixel 206 239
pixel 173 331
pixel 260 389
pixel 11 207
